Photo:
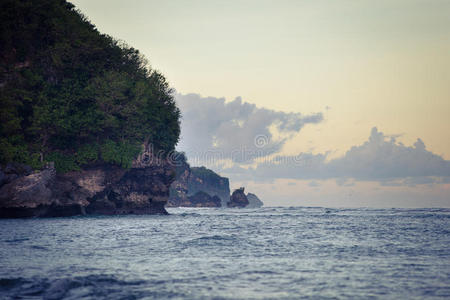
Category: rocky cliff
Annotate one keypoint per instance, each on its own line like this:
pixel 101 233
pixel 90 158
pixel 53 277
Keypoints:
pixel 238 199
pixel 202 187
pixel 178 193
pixel 76 106
pixel 100 189
pixel 206 180
pixel 202 199
pixel 193 184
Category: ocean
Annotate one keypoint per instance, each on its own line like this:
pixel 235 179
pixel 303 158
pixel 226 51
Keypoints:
pixel 264 253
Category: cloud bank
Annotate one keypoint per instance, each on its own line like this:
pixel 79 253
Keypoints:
pixel 243 141
pixel 381 158
pixel 235 130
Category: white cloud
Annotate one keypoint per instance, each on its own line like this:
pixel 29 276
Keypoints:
pixel 229 136
pixel 381 159
pixel 235 130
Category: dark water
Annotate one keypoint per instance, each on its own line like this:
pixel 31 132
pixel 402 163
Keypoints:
pixel 276 253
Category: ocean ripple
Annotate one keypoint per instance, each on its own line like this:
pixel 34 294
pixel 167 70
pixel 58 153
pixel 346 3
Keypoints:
pixel 266 253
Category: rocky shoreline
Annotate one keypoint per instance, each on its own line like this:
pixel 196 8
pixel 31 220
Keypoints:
pixel 99 190
pixel 150 185
pixel 197 187
pixel 202 187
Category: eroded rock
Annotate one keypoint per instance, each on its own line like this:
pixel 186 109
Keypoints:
pixel 100 189
pixel 238 199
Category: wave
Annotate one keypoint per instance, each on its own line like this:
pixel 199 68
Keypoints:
pixel 215 238
pixel 96 286
pixel 13 241
pixel 211 241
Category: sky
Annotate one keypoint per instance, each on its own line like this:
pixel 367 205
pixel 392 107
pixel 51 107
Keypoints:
pixel 318 103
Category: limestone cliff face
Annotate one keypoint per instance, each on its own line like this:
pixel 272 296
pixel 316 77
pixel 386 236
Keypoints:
pixel 192 185
pixel 100 189
pixel 238 199
pixel 178 195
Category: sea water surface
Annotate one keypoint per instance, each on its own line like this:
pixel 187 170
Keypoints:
pixel 273 253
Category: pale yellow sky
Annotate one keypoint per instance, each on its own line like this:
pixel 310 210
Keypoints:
pixel 374 63
pixel 363 194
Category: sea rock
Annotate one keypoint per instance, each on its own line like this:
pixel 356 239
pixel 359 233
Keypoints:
pixel 238 199
pixel 100 189
pixel 253 201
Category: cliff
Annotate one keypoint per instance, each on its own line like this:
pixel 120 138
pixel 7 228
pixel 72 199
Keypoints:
pixel 192 184
pixel 202 187
pixel 202 199
pixel 178 193
pixel 206 180
pixel 101 189
pixel 81 114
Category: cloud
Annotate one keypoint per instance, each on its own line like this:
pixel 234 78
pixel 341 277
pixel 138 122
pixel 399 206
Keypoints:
pixel 235 130
pixel 231 135
pixel 381 158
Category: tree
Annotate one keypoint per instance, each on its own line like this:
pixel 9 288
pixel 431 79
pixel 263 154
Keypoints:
pixel 74 96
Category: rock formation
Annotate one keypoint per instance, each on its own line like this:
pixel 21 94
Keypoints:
pixel 206 180
pixel 253 201
pixel 201 187
pixel 100 189
pixel 238 199
pixel 193 184
pixel 201 199
pixel 178 194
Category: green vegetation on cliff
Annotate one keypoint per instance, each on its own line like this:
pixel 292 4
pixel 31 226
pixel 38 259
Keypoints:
pixel 71 95
pixel 206 175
